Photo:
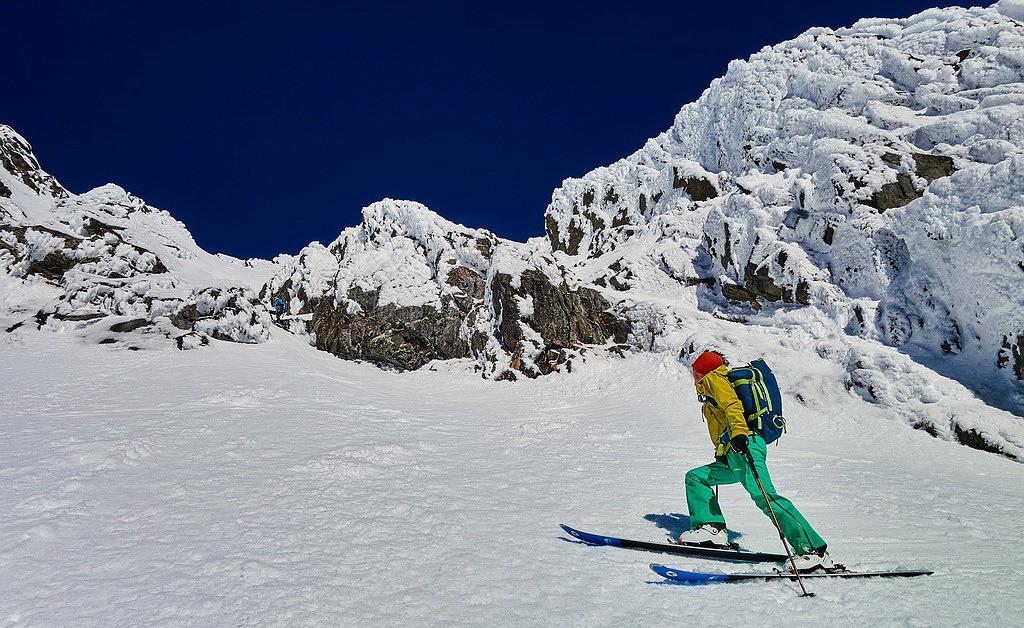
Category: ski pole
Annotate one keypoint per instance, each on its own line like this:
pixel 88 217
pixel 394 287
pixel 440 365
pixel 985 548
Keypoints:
pixel 775 520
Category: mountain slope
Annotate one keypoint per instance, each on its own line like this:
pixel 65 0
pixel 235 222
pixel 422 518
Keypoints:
pixel 275 484
pixel 112 269
pixel 265 482
pixel 870 173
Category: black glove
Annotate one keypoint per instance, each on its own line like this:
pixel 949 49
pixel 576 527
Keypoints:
pixel 739 443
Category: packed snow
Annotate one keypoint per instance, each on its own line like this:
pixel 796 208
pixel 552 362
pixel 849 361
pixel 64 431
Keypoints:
pixel 277 485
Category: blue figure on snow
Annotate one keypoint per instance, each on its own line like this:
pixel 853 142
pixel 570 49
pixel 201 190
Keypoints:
pixel 279 307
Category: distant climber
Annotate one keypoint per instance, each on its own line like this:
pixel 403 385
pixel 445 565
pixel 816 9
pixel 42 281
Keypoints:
pixel 737 447
pixel 279 308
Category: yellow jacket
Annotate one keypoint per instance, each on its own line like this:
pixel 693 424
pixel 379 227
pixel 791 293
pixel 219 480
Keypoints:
pixel 722 409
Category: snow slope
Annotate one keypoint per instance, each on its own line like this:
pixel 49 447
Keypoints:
pixel 277 485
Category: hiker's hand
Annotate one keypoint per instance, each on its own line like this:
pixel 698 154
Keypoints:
pixel 739 443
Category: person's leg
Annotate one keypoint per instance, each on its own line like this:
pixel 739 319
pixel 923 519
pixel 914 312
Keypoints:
pixel 794 526
pixel 701 501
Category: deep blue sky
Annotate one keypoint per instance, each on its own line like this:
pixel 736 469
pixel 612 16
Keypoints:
pixel 263 126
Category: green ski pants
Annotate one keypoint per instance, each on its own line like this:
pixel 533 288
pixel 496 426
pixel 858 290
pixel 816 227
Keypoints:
pixel 703 503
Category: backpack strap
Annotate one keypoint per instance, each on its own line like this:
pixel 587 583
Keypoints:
pixel 756 381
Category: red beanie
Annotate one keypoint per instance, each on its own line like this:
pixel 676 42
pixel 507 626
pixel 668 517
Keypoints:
pixel 705 363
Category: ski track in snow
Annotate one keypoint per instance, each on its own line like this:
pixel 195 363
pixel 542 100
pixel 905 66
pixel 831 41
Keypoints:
pixel 276 485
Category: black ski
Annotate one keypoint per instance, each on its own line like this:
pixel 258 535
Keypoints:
pixel 699 551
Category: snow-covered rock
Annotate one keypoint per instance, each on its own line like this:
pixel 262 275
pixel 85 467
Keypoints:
pixel 406 287
pixel 872 173
pixel 114 270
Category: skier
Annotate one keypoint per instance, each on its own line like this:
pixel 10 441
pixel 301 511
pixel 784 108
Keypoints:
pixel 279 306
pixel 733 439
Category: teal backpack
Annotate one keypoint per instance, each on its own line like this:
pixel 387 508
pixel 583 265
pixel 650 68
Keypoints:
pixel 758 390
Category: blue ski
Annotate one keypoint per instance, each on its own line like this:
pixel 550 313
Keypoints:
pixel 692 577
pixel 699 551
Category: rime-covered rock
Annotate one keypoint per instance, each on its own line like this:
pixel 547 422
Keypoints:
pixel 406 287
pixel 111 268
pixel 871 172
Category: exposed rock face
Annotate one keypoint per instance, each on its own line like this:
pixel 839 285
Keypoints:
pixel 16 158
pixel 410 336
pixel 1011 355
pixel 698 188
pixel 564 319
pixel 437 290
pixel 932 167
pixel 406 337
pixel 895 194
pixel 902 191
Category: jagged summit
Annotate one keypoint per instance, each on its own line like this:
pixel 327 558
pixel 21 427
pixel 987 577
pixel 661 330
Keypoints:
pixel 110 268
pixel 21 176
pixel 404 247
pixel 390 218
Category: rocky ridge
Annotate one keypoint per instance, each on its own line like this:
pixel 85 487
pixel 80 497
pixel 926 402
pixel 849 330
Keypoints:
pixel 111 268
pixel 406 287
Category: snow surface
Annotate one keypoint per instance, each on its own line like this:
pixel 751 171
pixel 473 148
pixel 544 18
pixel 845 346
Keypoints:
pixel 272 484
pixel 276 485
